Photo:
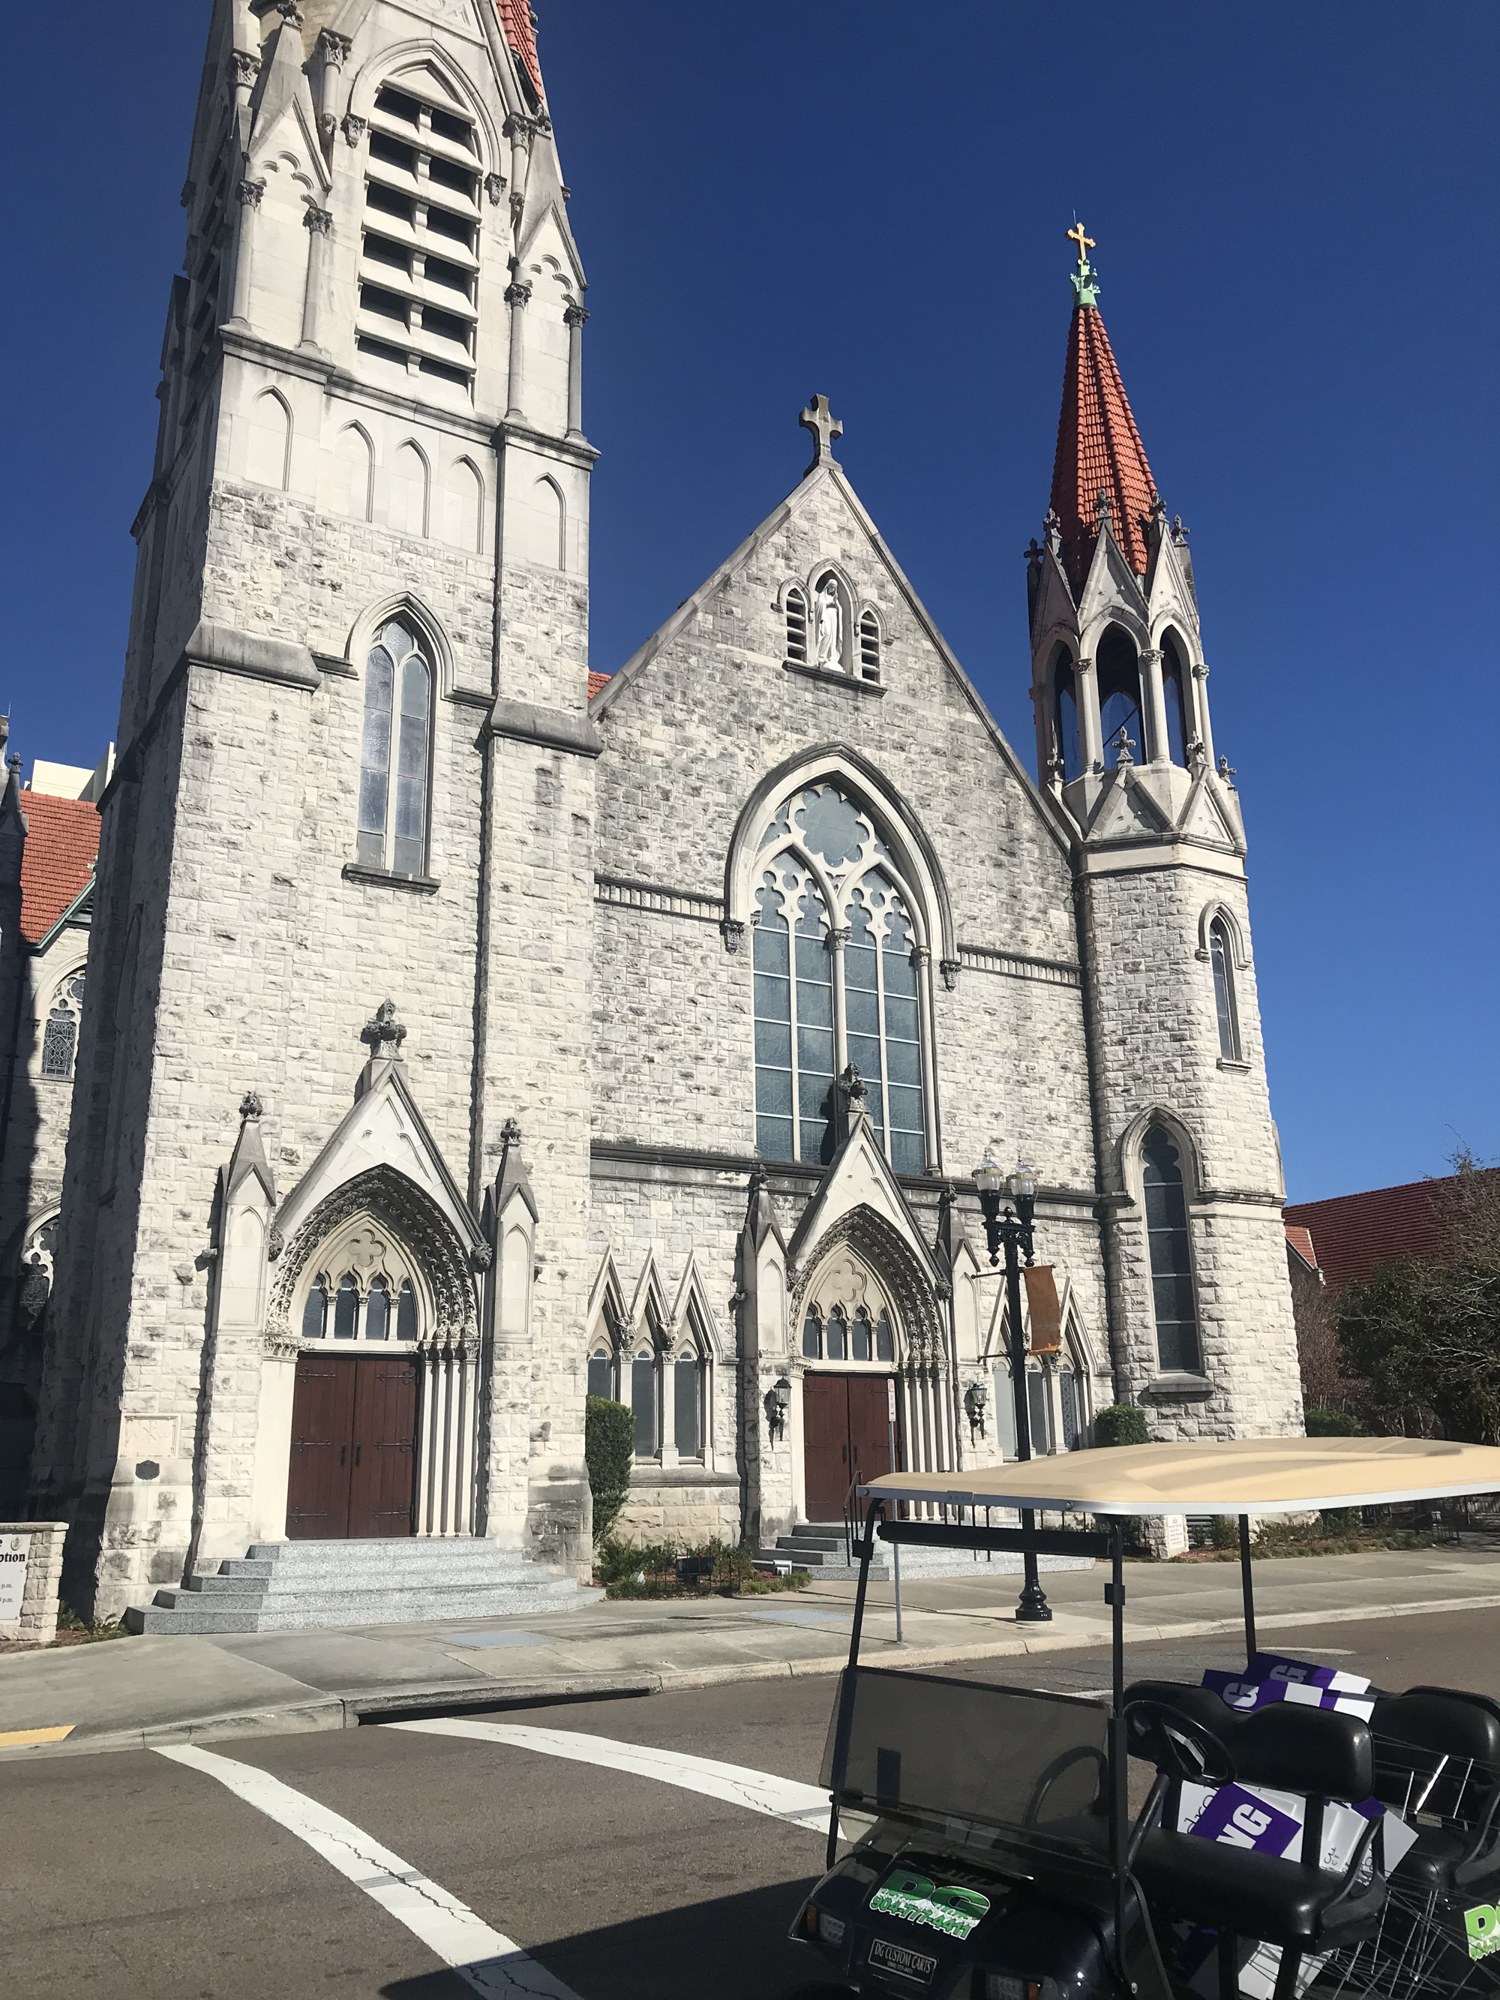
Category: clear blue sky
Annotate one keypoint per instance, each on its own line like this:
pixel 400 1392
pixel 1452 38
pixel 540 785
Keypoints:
pixel 1295 210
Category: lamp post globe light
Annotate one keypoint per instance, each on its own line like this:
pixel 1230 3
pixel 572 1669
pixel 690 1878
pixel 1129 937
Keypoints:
pixel 1008 1230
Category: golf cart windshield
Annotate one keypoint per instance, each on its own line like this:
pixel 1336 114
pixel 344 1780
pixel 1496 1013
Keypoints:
pixel 971 1762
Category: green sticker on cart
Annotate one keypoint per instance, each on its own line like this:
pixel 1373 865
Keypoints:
pixel 1483 1926
pixel 916 1899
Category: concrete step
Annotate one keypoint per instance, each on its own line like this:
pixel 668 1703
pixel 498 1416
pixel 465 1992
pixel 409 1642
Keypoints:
pixel 189 1612
pixel 801 1539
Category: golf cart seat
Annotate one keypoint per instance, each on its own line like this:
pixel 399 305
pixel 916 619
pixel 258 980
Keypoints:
pixel 1192 1737
pixel 1437 1760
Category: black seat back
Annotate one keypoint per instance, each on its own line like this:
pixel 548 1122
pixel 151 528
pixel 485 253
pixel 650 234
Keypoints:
pixel 1319 1752
pixel 1436 1751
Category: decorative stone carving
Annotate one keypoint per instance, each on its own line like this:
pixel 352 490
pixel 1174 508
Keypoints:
pixel 244 68
pixel 889 1257
pixel 733 933
pixel 384 1032
pixel 334 48
pixel 290 12
pixel 353 128
pixel 251 193
pixel 494 187
pixel 853 1086
pixel 519 127
pixel 251 1107
pixel 31 1299
pixel 824 425
pixel 328 124
pixel 518 292
pixel 575 315
pixel 949 968
pixel 318 220
pixel 275 1244
pixel 510 1132
pixel 399 1208
pixel 481 1257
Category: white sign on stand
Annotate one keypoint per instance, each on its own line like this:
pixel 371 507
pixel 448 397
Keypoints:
pixel 890 1402
pixel 13 1553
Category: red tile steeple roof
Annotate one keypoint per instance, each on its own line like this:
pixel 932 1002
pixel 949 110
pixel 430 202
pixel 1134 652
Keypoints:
pixel 1099 450
pixel 520 33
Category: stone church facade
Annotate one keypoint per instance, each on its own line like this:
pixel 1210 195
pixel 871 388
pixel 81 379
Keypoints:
pixel 468 1032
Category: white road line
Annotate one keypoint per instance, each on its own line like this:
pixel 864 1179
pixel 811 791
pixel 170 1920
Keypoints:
pixel 758 1791
pixel 492 1964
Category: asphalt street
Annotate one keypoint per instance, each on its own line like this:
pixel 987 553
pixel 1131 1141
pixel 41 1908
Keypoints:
pixel 597 1851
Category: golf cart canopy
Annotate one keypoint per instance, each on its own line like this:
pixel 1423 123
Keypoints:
pixel 1286 1475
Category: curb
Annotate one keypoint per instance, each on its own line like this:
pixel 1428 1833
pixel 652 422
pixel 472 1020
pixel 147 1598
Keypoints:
pixel 445 1698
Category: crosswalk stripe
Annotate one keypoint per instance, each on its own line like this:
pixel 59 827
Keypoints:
pixel 486 1960
pixel 758 1791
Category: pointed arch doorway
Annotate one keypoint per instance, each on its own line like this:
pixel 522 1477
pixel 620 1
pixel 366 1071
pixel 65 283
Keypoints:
pixel 851 1409
pixel 353 1469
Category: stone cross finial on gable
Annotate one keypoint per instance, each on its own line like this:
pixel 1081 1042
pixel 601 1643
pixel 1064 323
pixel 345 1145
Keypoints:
pixel 1124 743
pixel 825 427
pixel 384 1033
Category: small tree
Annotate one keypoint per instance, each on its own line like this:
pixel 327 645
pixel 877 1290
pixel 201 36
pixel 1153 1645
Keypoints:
pixel 609 1448
pixel 1121 1423
pixel 1332 1424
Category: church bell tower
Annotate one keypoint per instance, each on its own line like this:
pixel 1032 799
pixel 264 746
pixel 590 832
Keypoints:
pixel 1189 1163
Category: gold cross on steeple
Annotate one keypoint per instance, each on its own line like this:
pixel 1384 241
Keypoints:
pixel 1085 243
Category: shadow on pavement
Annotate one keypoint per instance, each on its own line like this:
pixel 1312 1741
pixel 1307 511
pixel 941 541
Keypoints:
pixel 729 1948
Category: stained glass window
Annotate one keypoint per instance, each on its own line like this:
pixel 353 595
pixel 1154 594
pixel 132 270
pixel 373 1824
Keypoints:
pixel 643 1404
pixel 687 1405
pixel 824 845
pixel 406 1312
pixel 1225 1011
pixel 60 1035
pixel 315 1312
pixel 1171 1262
pixel 396 754
pixel 346 1309
pixel 378 1311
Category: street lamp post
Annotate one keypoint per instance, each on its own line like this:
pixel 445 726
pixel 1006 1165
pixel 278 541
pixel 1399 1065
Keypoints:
pixel 1010 1229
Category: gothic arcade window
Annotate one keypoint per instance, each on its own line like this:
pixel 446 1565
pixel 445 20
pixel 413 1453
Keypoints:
pixel 830 887
pixel 1171 1259
pixel 844 1335
pixel 1221 956
pixel 360 1308
pixel 1119 693
pixel 665 1386
pixel 396 754
pixel 419 247
pixel 60 1034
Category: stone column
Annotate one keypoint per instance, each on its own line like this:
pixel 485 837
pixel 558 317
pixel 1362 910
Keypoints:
pixel 1088 716
pixel 1158 746
pixel 334 50
pixel 251 194
pixel 319 223
pixel 1200 712
pixel 838 937
pixel 574 318
pixel 517 297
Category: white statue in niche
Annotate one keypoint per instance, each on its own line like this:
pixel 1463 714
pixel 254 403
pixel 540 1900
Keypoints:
pixel 830 626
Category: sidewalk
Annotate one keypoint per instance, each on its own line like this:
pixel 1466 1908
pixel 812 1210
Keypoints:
pixel 126 1693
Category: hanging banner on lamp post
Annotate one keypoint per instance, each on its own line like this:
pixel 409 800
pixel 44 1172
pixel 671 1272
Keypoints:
pixel 1043 1308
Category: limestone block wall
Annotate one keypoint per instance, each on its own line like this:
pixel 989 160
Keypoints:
pixel 1157 1048
pixel 39 1544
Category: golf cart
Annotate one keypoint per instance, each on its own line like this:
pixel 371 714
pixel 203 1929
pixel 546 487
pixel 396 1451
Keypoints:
pixel 1001 1845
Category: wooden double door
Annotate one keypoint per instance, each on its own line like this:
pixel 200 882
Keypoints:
pixel 845 1436
pixel 354 1447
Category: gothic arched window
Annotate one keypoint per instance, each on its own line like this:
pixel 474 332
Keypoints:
pixel 795 603
pixel 869 645
pixel 396 754
pixel 378 1311
pixel 315 1311
pixel 1173 1303
pixel 60 1035
pixel 1119 692
pixel 830 887
pixel 1175 699
pixel 1065 719
pixel 1221 956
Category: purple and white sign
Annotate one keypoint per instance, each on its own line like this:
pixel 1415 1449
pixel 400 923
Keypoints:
pixel 1244 1693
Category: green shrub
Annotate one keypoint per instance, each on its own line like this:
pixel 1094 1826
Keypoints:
pixel 1225 1532
pixel 1332 1424
pixel 1121 1423
pixel 609 1448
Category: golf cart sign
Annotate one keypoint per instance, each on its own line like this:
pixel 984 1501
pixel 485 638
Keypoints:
pixel 915 1899
pixel 1483 1926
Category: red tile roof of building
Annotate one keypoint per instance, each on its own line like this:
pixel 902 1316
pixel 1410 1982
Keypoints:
pixel 597 681
pixel 1099 450
pixel 1301 1241
pixel 520 33
pixel 1356 1233
pixel 62 839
